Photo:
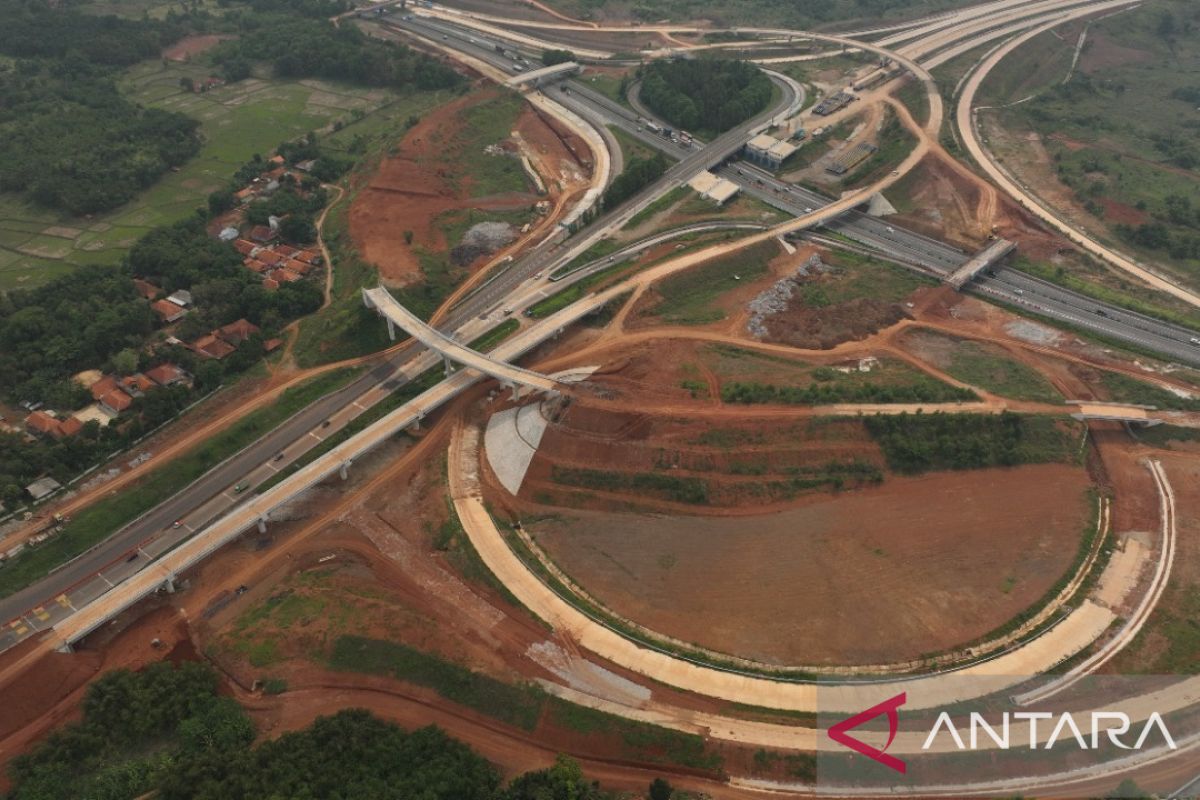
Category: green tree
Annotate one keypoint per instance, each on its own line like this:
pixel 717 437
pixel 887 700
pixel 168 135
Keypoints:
pixel 660 789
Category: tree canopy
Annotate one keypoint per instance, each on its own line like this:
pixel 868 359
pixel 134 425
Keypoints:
pixel 711 95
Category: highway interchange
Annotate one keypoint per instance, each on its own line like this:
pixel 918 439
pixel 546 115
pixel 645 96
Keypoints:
pixel 55 598
pixel 120 558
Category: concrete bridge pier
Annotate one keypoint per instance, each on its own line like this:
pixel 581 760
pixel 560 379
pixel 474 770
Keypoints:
pixel 515 387
pixel 262 524
pixel 391 330
pixel 447 364
pixel 344 469
pixel 416 423
pixel 169 584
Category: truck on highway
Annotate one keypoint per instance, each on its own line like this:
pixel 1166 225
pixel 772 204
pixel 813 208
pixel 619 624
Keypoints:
pixel 653 126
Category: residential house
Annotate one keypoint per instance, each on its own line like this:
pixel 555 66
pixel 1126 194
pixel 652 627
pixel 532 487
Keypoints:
pixel 70 426
pixel 237 332
pixel 167 375
pixel 108 393
pixel 262 234
pixel 181 298
pixel 136 385
pixel 168 312
pixel 285 275
pixel 42 424
pixel 245 247
pixel 270 284
pixel 211 346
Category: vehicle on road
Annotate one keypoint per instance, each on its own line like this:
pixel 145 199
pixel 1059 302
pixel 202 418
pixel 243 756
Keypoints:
pixel 241 487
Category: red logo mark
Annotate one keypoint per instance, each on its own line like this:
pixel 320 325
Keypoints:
pixel 890 707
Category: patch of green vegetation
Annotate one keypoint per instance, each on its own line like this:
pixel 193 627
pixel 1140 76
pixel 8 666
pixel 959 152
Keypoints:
pixel 802 766
pixel 519 706
pixel 495 336
pixel 639 738
pixel 559 301
pixel 914 97
pixel 661 204
pixel 610 86
pixel 993 371
pixel 915 443
pixel 101 519
pixel 692 491
pixel 689 297
pixel 487 124
pixel 1163 435
pixel 1124 389
pixel 705 96
pixel 895 143
pixel 631 147
pixel 831 387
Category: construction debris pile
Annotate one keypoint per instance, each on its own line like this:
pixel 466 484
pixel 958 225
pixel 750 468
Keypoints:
pixel 775 298
pixel 480 240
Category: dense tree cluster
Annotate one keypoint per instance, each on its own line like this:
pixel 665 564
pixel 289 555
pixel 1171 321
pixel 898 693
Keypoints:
pixel 165 731
pixel 71 141
pixel 311 48
pixel 711 95
pixel 68 138
pixel 923 442
pixel 39 29
pixel 925 391
pixel 552 57
pixel 637 175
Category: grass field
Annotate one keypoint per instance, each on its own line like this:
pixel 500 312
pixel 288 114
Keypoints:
pixel 101 519
pixel 237 121
pixel 983 365
pixel 689 298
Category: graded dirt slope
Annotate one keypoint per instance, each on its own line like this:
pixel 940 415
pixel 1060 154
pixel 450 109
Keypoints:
pixel 877 575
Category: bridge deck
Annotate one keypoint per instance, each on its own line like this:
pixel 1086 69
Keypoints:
pixel 979 262
pixel 544 73
pixel 382 301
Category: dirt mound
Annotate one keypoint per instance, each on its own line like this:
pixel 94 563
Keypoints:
pixel 189 46
pixel 823 328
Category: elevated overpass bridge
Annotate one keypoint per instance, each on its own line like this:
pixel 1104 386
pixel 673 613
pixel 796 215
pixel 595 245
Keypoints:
pixel 453 352
pixel 543 75
pixel 1115 412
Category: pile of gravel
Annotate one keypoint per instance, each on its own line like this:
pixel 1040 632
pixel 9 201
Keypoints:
pixel 775 299
pixel 480 240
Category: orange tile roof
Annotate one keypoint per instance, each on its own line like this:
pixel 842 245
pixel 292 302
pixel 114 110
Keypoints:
pixel 70 426
pixel 244 246
pixel 164 374
pixel 146 289
pixel 238 332
pixel 117 400
pixel 285 275
pixel 103 386
pixel 41 422
pixel 212 347
pixel 167 310
pixel 270 284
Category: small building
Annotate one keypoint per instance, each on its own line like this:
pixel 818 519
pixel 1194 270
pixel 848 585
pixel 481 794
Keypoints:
pixel 181 298
pixel 167 311
pixel 228 234
pixel 136 385
pixel 237 332
pixel 42 423
pixel 70 426
pixel 710 187
pixel 211 346
pixel 116 401
pixel 167 375
pixel 285 275
pixel 306 166
pixel 245 247
pixel 270 284
pixel 768 151
pixel 262 234
pixel 43 488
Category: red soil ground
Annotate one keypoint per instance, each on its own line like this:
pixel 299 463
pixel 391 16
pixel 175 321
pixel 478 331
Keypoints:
pixel 190 46
pixel 412 188
pixel 877 575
